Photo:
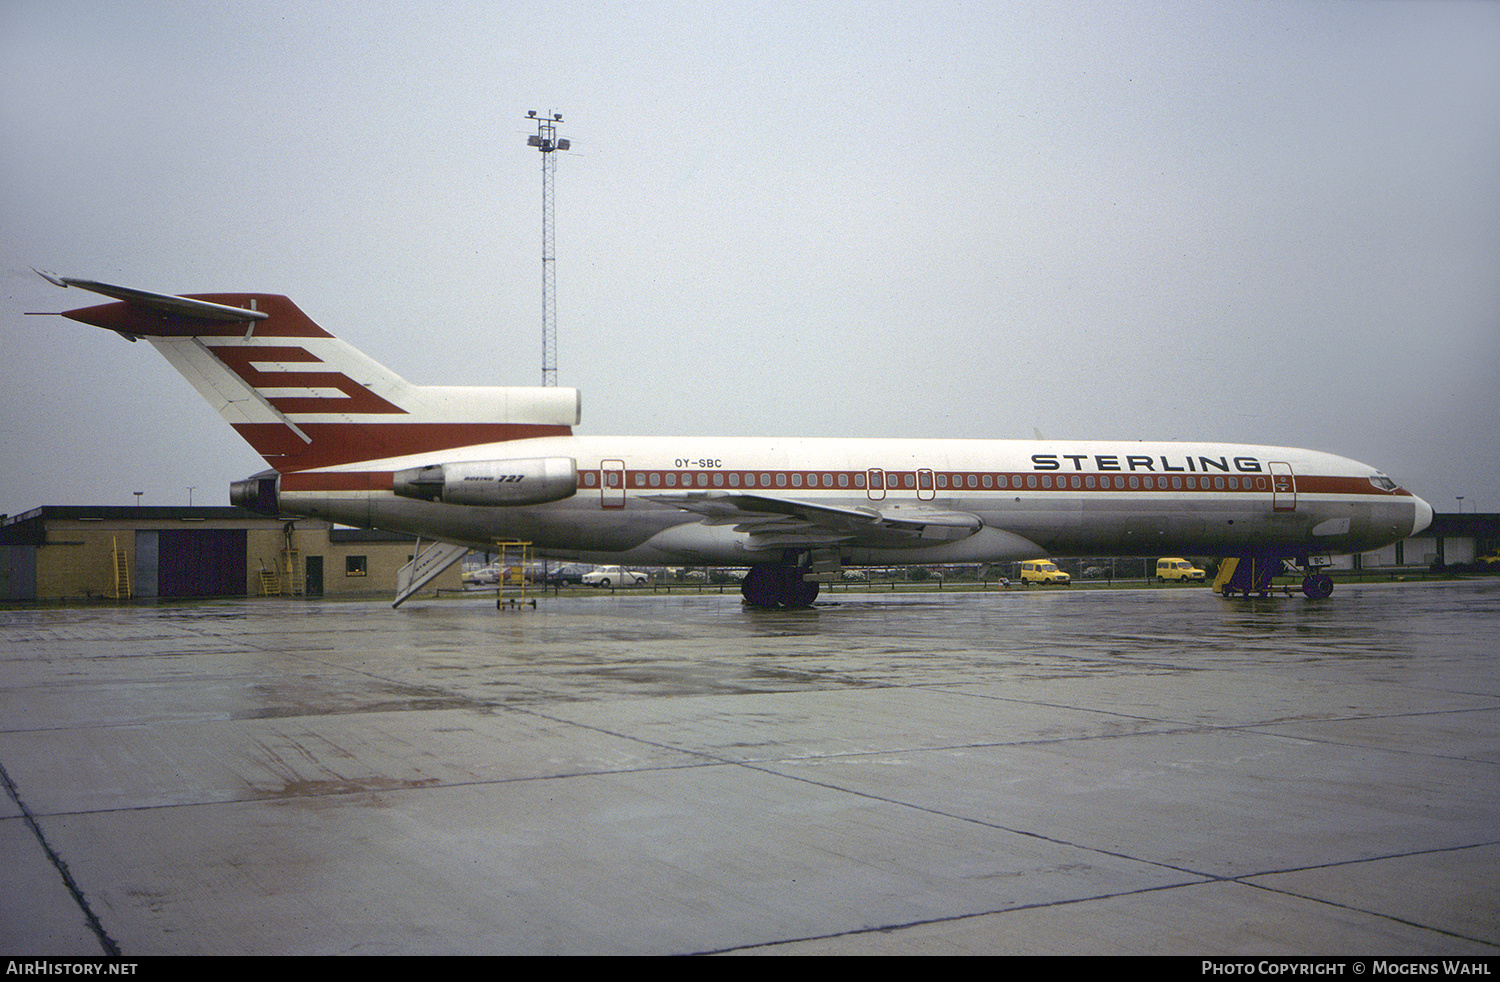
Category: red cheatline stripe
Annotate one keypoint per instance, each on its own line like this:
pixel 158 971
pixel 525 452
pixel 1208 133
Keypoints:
pixel 965 482
pixel 896 481
pixel 350 443
pixel 347 481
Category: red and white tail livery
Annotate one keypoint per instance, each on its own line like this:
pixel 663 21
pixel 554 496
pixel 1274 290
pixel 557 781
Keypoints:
pixel 303 398
pixel 351 441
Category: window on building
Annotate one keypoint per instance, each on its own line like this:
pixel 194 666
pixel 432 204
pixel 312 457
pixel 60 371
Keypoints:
pixel 355 566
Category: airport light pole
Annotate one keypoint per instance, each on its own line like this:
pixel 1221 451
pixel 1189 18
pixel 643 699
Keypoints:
pixel 546 141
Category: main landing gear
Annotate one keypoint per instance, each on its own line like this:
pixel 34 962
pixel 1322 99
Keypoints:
pixel 778 586
pixel 793 582
pixel 1253 575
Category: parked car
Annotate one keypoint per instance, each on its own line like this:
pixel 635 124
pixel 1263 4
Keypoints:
pixel 1043 571
pixel 606 576
pixel 481 576
pixel 564 575
pixel 1180 570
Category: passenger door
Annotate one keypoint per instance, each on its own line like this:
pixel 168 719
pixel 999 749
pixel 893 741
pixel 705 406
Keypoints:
pixel 1283 487
pixel 612 484
pixel 926 487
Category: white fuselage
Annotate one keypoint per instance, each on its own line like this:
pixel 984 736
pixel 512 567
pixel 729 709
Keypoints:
pixel 357 444
pixel 1034 498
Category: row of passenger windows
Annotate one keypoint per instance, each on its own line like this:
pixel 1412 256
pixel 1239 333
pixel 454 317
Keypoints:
pixel 733 479
pixel 1134 481
pixel 880 480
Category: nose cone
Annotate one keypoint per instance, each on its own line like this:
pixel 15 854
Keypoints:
pixel 1422 515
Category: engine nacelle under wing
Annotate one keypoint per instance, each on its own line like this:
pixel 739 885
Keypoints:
pixel 491 483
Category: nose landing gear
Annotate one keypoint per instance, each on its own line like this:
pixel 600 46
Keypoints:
pixel 1317 586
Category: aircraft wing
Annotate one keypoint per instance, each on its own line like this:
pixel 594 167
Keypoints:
pixel 784 523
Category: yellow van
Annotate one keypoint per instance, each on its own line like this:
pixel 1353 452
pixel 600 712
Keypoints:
pixel 1180 570
pixel 1043 571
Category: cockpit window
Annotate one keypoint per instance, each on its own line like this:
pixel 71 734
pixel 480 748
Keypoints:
pixel 1382 482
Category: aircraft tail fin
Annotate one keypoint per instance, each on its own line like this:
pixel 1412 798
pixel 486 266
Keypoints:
pixel 303 398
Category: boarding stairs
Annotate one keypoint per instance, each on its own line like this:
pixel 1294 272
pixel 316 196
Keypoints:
pixel 425 566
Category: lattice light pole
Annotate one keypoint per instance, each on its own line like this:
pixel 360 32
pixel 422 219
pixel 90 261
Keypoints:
pixel 547 142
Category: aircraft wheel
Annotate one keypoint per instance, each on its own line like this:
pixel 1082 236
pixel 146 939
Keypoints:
pixel 761 586
pixel 774 586
pixel 800 593
pixel 1318 586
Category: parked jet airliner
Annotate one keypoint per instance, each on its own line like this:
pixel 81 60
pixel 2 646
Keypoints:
pixel 351 442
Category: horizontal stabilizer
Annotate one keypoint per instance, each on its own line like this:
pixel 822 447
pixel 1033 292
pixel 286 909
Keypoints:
pixel 181 306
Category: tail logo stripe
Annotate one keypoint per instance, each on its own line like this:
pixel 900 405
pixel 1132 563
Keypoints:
pixel 330 392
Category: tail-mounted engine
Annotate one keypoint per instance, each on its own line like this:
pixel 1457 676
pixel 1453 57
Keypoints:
pixel 532 481
pixel 257 493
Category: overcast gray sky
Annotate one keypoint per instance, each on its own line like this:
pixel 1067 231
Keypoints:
pixel 1255 222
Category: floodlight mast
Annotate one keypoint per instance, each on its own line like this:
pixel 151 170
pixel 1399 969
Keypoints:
pixel 547 142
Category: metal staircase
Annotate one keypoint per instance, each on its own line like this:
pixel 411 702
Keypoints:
pixel 121 564
pixel 296 579
pixel 270 581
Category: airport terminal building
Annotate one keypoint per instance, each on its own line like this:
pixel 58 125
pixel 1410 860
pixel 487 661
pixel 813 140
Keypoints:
pixel 122 553
pixel 1451 540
